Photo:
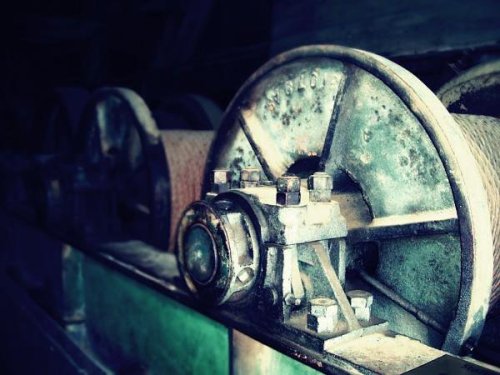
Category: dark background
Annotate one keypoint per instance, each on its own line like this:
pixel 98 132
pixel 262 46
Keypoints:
pixel 209 47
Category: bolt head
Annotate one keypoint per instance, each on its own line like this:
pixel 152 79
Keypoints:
pixel 245 275
pixel 288 184
pixel 360 298
pixel 221 180
pixel 323 307
pixel 321 325
pixel 320 181
pixel 221 176
pixel 288 199
pixel 323 315
pixel 250 174
pixel 291 300
pixel 362 313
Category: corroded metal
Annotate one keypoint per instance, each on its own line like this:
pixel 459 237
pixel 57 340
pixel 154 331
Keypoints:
pixel 320 186
pixel 220 180
pixel 217 252
pixel 275 258
pixel 249 177
pixel 384 137
pixel 288 190
pixel 323 315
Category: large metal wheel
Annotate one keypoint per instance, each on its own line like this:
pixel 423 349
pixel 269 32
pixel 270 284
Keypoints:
pixel 152 174
pixel 120 139
pixel 385 137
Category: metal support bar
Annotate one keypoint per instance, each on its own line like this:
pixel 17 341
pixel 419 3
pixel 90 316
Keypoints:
pixel 408 306
pixel 338 291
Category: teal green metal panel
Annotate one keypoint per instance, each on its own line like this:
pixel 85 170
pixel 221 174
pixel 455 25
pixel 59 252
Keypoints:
pixel 72 285
pixel 425 271
pixel 148 329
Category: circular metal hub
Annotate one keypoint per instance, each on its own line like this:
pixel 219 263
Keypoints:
pixel 200 255
pixel 218 251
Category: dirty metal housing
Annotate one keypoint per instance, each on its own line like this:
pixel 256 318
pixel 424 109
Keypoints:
pixel 402 172
pixel 218 251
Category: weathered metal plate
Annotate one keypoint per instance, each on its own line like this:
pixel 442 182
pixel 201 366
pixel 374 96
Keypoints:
pixel 426 272
pixel 383 354
pixel 382 146
pixel 250 357
pixel 448 365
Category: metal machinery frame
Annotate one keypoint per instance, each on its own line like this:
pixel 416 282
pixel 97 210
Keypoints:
pixel 345 222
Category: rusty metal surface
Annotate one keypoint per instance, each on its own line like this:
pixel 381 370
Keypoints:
pixel 159 274
pixel 186 155
pixel 386 132
pixel 383 354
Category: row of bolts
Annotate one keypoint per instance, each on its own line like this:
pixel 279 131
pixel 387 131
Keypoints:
pixel 323 313
pixel 320 185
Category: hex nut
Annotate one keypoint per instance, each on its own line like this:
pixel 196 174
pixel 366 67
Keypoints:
pixel 362 313
pixel 288 190
pixel 291 300
pixel 320 186
pixel 321 306
pixel 323 315
pixel 288 183
pixel 320 181
pixel 288 199
pixel 250 175
pixel 321 325
pixel 361 302
pixel 221 176
pixel 360 298
pixel 247 184
pixel 221 180
pixel 320 195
